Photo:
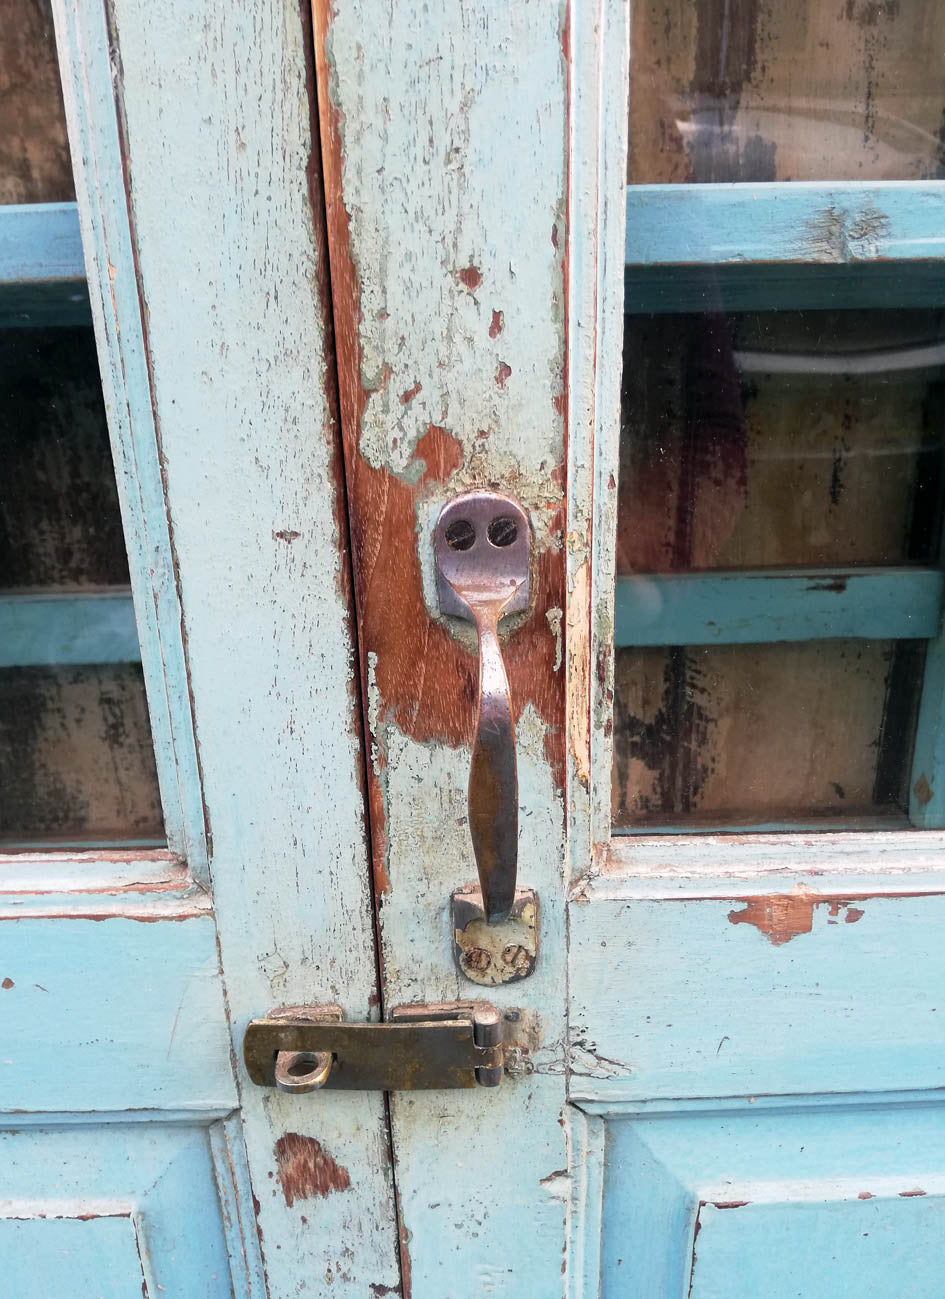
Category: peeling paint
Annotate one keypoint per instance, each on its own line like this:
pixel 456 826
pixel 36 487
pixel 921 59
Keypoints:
pixel 306 1171
pixel 783 916
pixel 470 276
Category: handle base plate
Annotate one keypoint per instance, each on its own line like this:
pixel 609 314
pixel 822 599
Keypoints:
pixel 497 953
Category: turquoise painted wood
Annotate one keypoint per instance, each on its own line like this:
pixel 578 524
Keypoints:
pixel 732 1073
pixel 781 991
pixel 128 1211
pixel 133 1161
pixel 764 606
pixel 741 247
pixel 40 242
pixel 67 629
pixel 795 221
pixel 210 328
pixel 80 1255
pixel 42 271
pixel 833 1199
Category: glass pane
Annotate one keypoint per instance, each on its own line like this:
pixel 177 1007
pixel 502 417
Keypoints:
pixel 781 438
pixel 774 440
pixel 76 762
pixel 734 90
pixel 76 759
pixel 60 528
pixel 759 734
pixel 34 151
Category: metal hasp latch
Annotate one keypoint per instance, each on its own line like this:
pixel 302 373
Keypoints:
pixel 481 545
pixel 421 1047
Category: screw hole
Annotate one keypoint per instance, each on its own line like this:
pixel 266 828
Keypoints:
pixel 503 531
pixel 303 1064
pixel 460 535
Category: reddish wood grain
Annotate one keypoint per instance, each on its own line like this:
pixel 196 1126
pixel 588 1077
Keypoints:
pixel 422 679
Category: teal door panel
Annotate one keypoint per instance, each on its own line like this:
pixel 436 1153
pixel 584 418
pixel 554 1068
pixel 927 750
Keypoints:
pixel 67 1256
pixel 113 1014
pixel 181 810
pixel 122 1209
pixel 826 1200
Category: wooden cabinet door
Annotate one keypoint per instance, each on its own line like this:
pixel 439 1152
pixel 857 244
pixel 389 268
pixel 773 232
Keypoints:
pixel 138 937
pixel 717 392
pixel 344 265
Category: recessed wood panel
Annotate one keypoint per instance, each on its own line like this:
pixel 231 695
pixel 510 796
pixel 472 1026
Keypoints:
pixel 94 1255
pixel 781 984
pixel 819 1200
pixel 118 1210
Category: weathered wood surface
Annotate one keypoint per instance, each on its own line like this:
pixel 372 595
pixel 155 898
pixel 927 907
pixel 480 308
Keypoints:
pixel 803 984
pixel 134 1213
pixel 764 606
pixel 34 151
pixel 93 627
pixel 218 105
pixel 448 248
pixel 109 1014
pixel 851 225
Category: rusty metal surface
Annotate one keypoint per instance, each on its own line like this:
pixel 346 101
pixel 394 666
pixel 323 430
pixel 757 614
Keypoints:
pixel 481 545
pixel 304 1071
pixel 492 954
pixel 420 1048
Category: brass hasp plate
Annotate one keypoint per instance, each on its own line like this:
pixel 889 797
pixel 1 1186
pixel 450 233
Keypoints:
pixel 421 1047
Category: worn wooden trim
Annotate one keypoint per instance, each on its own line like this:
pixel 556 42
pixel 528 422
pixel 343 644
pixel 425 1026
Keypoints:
pixel 95 140
pixel 688 865
pixel 40 242
pixel 797 244
pixel 770 605
pixel 231 1172
pixel 600 41
pixel 451 303
pixel 87 627
pixel 95 884
pixel 233 293
pixel 42 272
pixel 585 1182
pixel 799 222
pixel 613 1107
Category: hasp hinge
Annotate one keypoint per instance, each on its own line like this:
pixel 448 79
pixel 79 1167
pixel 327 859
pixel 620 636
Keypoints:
pixel 421 1046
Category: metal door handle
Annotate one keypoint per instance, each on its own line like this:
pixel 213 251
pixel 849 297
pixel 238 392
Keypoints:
pixel 481 546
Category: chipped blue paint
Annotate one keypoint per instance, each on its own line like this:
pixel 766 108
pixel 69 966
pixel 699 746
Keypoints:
pixel 781 990
pixel 832 1199
pixel 792 244
pixel 132 1212
pixel 40 242
pixel 42 273
pixel 98 627
pixel 754 608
